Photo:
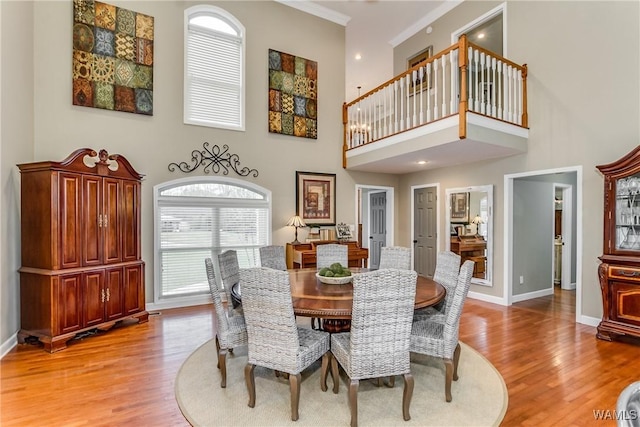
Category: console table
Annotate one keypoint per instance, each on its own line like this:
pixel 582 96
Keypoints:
pixel 471 247
pixel 303 255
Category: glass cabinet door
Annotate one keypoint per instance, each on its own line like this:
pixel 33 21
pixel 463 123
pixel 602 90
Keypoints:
pixel 628 213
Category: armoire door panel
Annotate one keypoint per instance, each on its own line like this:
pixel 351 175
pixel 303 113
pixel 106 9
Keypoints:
pixel 113 288
pixel 94 294
pixel 111 226
pixel 130 221
pixel 133 290
pixel 69 303
pixel 91 220
pixel 69 199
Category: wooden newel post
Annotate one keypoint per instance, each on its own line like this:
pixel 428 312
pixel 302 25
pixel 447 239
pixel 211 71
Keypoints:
pixel 525 114
pixel 462 111
pixel 344 135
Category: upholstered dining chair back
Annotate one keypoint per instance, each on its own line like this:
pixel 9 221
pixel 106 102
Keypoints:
pixel 273 256
pixel 229 271
pixel 275 340
pixel 395 257
pixel 231 330
pixel 331 253
pixel 437 335
pixel 378 343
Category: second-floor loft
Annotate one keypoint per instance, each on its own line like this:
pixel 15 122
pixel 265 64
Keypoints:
pixel 448 110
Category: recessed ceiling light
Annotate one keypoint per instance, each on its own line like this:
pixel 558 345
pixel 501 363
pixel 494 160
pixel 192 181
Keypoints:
pixel 481 35
pixel 422 162
pixel 358 57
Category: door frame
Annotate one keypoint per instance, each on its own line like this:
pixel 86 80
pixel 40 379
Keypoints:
pixel 390 220
pixel 438 216
pixel 508 234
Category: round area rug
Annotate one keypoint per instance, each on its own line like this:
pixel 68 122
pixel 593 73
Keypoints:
pixel 479 396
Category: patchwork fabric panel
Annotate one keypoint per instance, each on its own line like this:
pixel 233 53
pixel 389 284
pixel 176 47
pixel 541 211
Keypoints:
pixel 112 58
pixel 293 95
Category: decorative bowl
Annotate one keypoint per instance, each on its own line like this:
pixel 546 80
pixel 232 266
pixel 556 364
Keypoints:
pixel 334 280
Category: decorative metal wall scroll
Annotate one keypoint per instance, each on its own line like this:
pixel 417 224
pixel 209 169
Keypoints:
pixel 214 160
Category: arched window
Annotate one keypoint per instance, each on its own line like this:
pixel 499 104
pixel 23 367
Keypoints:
pixel 198 218
pixel 213 68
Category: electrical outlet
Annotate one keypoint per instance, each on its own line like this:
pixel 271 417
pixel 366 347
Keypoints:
pixel 522 280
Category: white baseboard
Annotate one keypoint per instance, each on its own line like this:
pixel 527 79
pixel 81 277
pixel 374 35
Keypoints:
pixel 8 345
pixel 178 303
pixel 487 298
pixel 569 287
pixel 590 321
pixel 531 295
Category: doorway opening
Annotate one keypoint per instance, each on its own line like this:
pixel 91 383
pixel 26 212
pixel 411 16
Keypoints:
pixel 530 236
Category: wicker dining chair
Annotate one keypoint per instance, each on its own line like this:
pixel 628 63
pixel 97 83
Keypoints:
pixel 446 274
pixel 275 341
pixel 395 257
pixel 229 272
pixel 325 256
pixel 331 253
pixel 378 343
pixel 231 330
pixel 273 256
pixel 438 337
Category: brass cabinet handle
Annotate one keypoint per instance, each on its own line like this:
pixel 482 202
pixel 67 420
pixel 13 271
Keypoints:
pixel 102 298
pixel 108 295
pixel 629 273
pixel 99 220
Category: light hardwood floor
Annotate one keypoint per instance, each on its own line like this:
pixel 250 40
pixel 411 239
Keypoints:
pixel 556 371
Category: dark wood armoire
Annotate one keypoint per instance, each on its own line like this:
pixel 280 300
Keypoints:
pixel 81 257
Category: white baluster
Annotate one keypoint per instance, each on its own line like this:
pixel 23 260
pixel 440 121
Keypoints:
pixel 444 86
pixel 493 87
pixel 476 106
pixel 395 105
pixel 500 89
pixel 482 84
pixel 469 79
pixel 429 92
pixel 452 81
pixel 436 115
pixel 422 86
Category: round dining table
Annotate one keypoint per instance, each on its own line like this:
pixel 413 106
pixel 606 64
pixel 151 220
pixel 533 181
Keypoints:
pixel 332 303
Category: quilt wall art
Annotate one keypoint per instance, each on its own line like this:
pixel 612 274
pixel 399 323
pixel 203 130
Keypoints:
pixel 112 58
pixel 293 95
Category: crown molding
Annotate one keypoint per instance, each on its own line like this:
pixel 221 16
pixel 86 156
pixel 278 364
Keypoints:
pixel 437 13
pixel 317 10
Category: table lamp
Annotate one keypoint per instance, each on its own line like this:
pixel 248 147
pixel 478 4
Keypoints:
pixel 297 222
pixel 477 221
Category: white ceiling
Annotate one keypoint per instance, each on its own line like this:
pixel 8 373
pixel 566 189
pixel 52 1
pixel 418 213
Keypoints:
pixel 373 28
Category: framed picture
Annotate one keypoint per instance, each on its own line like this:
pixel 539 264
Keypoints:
pixel 343 231
pixel 460 207
pixel 316 197
pixel 423 55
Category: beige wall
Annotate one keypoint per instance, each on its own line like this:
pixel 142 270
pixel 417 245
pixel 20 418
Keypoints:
pixel 56 127
pixel 16 145
pixel 584 93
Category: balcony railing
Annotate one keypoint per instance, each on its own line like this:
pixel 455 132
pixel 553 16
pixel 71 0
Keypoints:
pixel 443 85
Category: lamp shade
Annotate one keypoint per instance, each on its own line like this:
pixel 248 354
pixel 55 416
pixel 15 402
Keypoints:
pixel 477 220
pixel 296 221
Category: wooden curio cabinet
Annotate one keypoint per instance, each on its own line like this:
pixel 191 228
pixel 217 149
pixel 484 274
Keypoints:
pixel 619 272
pixel 81 256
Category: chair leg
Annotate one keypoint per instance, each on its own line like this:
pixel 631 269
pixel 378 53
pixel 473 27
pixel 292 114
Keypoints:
pixel 218 350
pixel 456 359
pixel 250 379
pixel 448 364
pixel 335 374
pixel 222 365
pixel 392 381
pixel 323 372
pixel 294 386
pixel 353 401
pixel 407 394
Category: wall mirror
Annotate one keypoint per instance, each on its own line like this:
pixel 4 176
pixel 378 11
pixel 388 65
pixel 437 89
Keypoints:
pixel 470 224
